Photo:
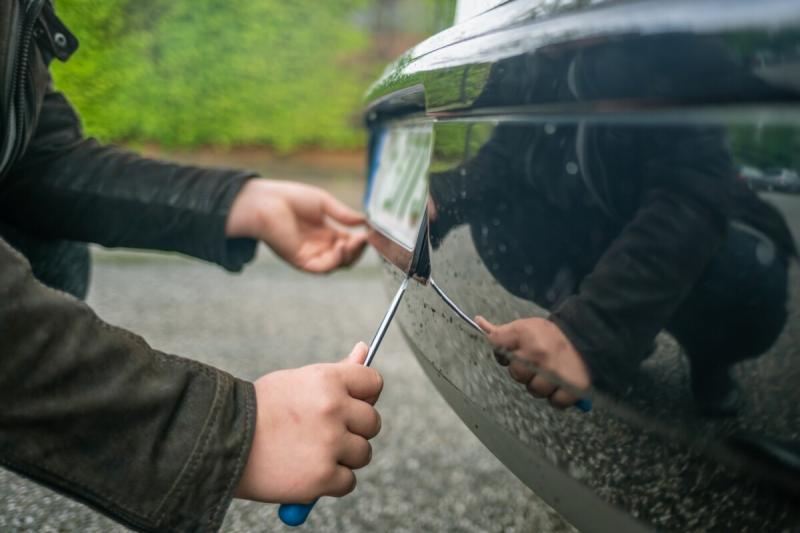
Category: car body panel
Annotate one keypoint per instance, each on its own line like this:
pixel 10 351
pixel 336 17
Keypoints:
pixel 450 69
pixel 541 123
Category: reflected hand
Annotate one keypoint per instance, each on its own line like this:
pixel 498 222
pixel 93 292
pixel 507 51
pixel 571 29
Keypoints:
pixel 431 207
pixel 299 222
pixel 542 343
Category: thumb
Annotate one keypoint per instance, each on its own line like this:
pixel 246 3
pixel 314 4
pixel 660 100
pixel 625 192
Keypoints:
pixel 358 355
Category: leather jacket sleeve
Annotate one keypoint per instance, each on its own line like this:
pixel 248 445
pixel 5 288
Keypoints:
pixel 637 285
pixel 153 440
pixel 673 233
pixel 70 187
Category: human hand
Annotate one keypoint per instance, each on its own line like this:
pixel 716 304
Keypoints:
pixel 542 343
pixel 298 222
pixel 312 429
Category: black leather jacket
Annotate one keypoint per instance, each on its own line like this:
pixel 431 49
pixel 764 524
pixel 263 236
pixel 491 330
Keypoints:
pixel 153 440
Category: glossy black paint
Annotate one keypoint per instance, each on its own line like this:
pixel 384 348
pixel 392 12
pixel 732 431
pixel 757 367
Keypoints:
pixel 552 123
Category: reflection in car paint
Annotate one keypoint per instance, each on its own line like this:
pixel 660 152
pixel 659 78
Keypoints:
pixel 553 141
pixel 450 303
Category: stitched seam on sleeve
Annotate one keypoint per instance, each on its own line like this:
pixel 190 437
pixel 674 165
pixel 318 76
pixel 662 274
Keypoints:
pixel 189 470
pixel 215 516
pixel 107 504
pixel 105 498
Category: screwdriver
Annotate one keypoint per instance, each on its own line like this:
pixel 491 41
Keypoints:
pixel 418 266
pixel 295 514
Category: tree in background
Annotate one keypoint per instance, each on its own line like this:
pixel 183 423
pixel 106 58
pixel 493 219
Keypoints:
pixel 222 72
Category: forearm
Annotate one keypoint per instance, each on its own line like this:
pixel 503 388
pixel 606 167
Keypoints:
pixel 73 188
pixel 153 440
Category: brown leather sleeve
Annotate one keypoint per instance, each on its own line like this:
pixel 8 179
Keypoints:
pixel 155 441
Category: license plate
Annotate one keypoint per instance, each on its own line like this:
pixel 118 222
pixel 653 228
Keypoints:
pixel 397 185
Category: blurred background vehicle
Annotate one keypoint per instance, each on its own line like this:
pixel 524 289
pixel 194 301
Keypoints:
pixel 771 179
pixel 783 179
pixel 752 176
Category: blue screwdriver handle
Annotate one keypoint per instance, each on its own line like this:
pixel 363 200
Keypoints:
pixel 295 514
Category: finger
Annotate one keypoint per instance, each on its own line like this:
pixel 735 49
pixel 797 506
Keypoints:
pixel 520 372
pixel 341 213
pixel 540 387
pixel 326 261
pixel 341 483
pixel 562 399
pixel 354 247
pixel 362 383
pixel 358 354
pixel 432 211
pixel 504 335
pixel 356 452
pixel 485 325
pixel 362 419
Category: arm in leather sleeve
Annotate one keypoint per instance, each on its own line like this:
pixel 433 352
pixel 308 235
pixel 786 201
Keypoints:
pixel 153 440
pixel 647 271
pixel 70 187
pixel 638 284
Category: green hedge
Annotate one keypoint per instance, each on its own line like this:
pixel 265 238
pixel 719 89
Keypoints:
pixel 185 73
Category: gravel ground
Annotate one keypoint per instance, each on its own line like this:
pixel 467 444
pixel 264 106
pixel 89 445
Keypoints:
pixel 429 473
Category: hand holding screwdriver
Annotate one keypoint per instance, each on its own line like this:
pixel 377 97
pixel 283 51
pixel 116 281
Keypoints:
pixel 312 430
pixel 295 514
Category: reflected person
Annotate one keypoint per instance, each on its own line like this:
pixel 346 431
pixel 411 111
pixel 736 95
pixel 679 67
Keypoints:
pixel 620 230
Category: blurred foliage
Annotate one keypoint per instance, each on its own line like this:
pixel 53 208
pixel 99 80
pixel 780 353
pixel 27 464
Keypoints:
pixel 235 72
pixel 772 147
pixel 455 144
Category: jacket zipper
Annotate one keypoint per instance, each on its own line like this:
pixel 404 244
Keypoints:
pixel 18 81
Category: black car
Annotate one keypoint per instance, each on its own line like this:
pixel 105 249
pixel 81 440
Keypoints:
pixel 575 161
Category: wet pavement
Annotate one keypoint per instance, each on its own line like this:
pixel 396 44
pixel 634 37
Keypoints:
pixel 429 472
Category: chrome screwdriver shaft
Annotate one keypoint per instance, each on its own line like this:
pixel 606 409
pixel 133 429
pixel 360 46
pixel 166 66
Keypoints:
pixel 295 514
pixel 387 319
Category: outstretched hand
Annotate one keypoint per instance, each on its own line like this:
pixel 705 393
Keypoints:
pixel 542 343
pixel 303 224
